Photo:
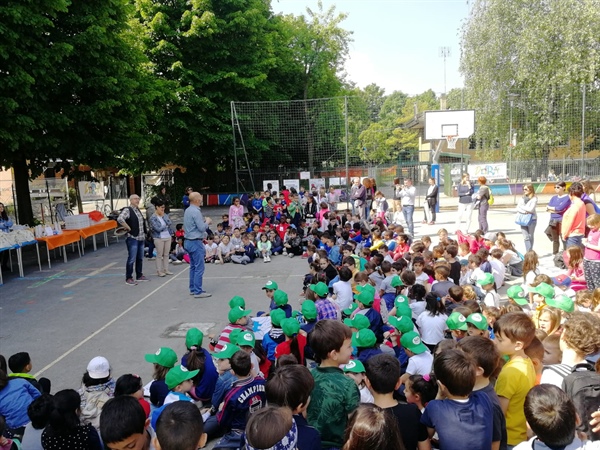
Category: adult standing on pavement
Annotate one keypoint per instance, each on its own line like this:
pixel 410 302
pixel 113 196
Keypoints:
pixel 236 215
pixel 149 243
pixel 397 189
pixel 573 223
pixel 483 198
pixel 132 220
pixel 195 227
pixel 557 206
pixel 465 201
pixel 359 195
pixel 407 200
pixel 160 227
pixel 186 197
pixel 526 206
pixel 165 198
pixel 430 202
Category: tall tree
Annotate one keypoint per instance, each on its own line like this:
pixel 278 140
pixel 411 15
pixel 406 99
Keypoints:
pixel 374 97
pixel 72 88
pixel 528 58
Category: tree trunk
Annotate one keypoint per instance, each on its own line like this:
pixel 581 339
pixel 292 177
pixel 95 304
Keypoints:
pixel 21 174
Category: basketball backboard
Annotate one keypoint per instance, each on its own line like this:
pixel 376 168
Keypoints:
pixel 441 124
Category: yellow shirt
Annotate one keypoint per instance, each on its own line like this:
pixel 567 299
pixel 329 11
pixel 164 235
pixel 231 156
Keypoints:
pixel 514 382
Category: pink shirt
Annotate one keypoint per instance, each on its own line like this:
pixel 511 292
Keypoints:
pixel 593 238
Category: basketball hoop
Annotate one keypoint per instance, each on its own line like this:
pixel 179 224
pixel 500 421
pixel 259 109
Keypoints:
pixel 451 140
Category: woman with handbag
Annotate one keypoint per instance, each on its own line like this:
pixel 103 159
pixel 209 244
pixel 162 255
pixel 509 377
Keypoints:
pixel 557 206
pixel 160 227
pixel 430 202
pixel 526 215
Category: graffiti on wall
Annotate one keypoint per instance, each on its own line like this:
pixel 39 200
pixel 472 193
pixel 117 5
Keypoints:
pixel 495 171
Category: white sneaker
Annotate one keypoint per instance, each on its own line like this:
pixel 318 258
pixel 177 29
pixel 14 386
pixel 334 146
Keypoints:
pixel 285 252
pixel 265 260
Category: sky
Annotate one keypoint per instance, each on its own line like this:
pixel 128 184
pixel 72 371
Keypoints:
pixel 396 43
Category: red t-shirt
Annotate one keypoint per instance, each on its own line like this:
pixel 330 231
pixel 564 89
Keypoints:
pixel 285 347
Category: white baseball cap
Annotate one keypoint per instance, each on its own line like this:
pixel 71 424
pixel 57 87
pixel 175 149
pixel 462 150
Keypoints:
pixel 98 367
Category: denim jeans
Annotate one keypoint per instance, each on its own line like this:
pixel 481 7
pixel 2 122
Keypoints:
pixel 408 212
pixel 196 251
pixel 574 241
pixel 135 254
pixel 528 234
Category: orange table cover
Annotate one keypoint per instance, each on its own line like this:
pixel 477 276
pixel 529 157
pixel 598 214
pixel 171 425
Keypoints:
pixel 58 240
pixel 97 228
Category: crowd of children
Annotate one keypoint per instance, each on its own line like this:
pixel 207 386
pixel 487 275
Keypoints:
pixel 397 344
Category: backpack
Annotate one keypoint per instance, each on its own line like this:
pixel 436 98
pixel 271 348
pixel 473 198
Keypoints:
pixel 490 198
pixel 582 385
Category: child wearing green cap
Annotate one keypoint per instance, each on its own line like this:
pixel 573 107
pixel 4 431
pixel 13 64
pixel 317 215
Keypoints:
pixel 163 360
pixel 419 356
pixel 295 342
pixel 365 343
pixel 275 336
pixel 179 381
pixel 364 300
pixel 387 292
pixel 457 324
pixel 517 296
pixel 488 285
pixel 356 370
pixel 198 358
pixel 326 309
pixel 477 325
pixel 238 318
pixel 223 385
pixel 280 299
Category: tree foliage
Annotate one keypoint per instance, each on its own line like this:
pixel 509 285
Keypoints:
pixel 530 58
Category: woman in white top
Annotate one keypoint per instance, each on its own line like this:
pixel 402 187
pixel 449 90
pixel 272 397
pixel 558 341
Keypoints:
pixel 527 205
pixel 432 321
pixel 160 226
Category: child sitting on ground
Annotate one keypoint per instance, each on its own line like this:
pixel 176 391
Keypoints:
pixel 326 309
pixel 364 300
pixel 238 318
pixel 294 342
pixel 123 424
pixel 20 366
pixel 291 386
pixel 419 357
pixel 275 336
pixel 282 432
pixel 365 343
pixel 335 396
pixel 130 384
pixel 383 379
pixel 419 390
pixel 487 359
pixel 180 427
pixel 198 358
pixel 458 410
pixel 38 412
pixel 513 333
pixel 245 397
pixel 163 360
pixel 210 249
pixel 356 370
pixel 179 381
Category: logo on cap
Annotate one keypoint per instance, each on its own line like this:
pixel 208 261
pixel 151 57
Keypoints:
pixel 247 337
pixel 224 347
pixel 351 365
pixel 183 368
pixel 416 340
pixel 477 317
pixel 269 283
pixel 401 300
pixel 462 318
pixel 157 352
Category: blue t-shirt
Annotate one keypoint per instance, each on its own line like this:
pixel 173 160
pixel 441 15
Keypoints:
pixel 471 420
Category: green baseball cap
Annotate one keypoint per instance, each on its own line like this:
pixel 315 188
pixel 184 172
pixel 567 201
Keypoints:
pixel 517 294
pixel 309 310
pixel 234 335
pixel 236 314
pixel 457 321
pixel 246 339
pixel 366 287
pixel 164 356
pixel 478 320
pixel 396 281
pixel 280 298
pixel 488 278
pixel 227 351
pixel 178 375
pixel 270 285
pixel 359 322
pixel 412 341
pixel 562 302
pixel 544 289
pixel 403 324
pixel 364 338
pixel 354 366
pixel 402 306
pixel 320 289
pixel 366 297
pixel 350 309
pixel 237 301
pixel 277 316
pixel 193 337
pixel 290 327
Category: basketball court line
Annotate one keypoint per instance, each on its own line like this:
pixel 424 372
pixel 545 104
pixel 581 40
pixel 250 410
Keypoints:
pixel 91 274
pixel 105 326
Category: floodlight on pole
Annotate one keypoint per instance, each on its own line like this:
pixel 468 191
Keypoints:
pixel 445 52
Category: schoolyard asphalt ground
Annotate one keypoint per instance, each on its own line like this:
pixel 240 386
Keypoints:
pixel 66 315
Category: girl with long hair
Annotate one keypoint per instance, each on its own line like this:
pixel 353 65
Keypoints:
pixel 432 321
pixel 574 262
